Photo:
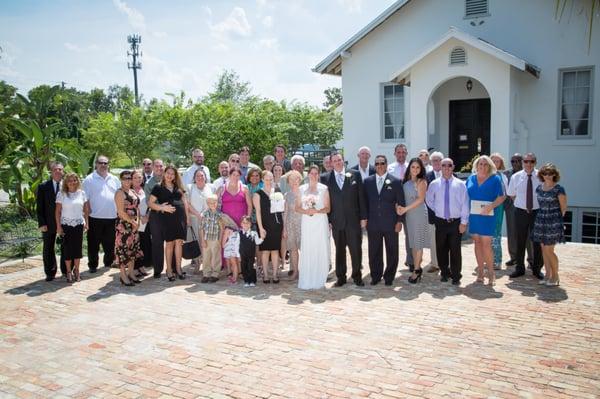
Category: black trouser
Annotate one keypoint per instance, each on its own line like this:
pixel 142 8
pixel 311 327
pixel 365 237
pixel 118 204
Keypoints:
pixel 49 255
pixel 524 225
pixel 376 240
pixel 146 245
pixel 511 233
pixel 248 271
pixel 101 231
pixel 157 243
pixel 351 238
pixel 447 248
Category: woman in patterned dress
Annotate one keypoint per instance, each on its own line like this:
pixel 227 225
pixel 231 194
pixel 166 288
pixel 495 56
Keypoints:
pixel 548 228
pixel 127 241
pixel 292 222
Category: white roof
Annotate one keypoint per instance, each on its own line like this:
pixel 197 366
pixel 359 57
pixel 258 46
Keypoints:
pixel 332 63
pixel 473 41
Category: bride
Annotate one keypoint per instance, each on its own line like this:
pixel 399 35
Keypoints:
pixel 313 204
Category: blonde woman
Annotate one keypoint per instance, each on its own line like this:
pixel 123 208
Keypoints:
pixel 497 239
pixel 72 218
pixel 486 195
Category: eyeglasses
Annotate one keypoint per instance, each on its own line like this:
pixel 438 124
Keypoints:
pixel 102 163
pixel 515 161
pixel 126 178
pixel 235 161
pixel 148 164
pixel 447 165
pixel 528 161
pixel 379 163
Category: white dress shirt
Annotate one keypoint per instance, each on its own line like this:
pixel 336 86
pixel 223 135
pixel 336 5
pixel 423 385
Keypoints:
pixel 397 170
pixel 188 175
pixel 518 188
pixel 459 199
pixel 100 192
pixel 364 173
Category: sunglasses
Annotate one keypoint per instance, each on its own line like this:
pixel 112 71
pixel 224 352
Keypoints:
pixel 102 163
pixel 235 161
pixel 126 178
pixel 447 165
pixel 379 163
pixel 147 164
pixel 514 161
pixel 528 161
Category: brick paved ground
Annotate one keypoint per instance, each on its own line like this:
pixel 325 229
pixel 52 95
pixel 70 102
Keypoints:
pixel 186 339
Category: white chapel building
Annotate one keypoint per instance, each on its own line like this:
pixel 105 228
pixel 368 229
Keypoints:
pixel 480 76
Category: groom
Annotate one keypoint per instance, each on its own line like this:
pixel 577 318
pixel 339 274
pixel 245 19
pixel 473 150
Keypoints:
pixel 347 216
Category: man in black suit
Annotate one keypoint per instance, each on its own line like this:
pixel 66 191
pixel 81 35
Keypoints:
pixel 363 166
pixel 383 192
pixel 436 164
pixel 46 205
pixel 347 216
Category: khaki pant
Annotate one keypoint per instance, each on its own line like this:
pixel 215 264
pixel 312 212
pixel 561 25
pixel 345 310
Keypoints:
pixel 432 249
pixel 211 259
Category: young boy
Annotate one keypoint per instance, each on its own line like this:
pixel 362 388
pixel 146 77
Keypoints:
pixel 211 231
pixel 248 241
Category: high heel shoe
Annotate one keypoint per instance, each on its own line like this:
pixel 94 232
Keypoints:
pixel 419 273
pixel 181 276
pixel 129 284
pixel 171 278
pixel 135 280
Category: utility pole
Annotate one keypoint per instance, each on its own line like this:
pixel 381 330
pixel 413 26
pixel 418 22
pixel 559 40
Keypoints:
pixel 134 42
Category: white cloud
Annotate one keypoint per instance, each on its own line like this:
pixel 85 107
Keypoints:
pixel 261 3
pixel 236 24
pixel 269 43
pixel 136 19
pixel 78 49
pixel 267 21
pixel 351 6
pixel 159 35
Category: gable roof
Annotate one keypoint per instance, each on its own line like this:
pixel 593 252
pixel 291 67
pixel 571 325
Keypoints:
pixel 332 64
pixel 472 41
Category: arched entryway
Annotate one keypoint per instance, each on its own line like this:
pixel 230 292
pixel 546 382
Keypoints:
pixel 459 119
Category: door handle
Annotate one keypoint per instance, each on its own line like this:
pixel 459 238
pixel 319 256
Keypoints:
pixel 479 145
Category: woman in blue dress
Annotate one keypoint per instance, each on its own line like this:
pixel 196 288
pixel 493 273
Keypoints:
pixel 548 228
pixel 486 195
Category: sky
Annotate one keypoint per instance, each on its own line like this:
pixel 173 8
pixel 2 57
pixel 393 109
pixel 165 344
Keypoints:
pixel 273 44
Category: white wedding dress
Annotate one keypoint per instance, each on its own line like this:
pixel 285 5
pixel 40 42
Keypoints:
pixel 315 252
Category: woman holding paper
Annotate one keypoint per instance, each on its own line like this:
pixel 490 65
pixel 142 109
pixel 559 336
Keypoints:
pixel 486 194
pixel 143 230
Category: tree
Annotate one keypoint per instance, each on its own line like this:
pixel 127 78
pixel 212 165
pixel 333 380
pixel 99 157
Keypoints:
pixel 229 87
pixel 333 98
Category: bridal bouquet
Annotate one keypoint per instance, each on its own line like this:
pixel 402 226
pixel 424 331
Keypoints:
pixel 277 202
pixel 309 202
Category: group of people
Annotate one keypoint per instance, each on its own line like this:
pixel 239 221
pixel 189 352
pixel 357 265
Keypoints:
pixel 249 219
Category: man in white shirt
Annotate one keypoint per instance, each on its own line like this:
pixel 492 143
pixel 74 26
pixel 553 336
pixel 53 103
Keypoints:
pixel 521 189
pixel 363 166
pixel 397 169
pixel 223 174
pixel 424 157
pixel 198 163
pixel 436 172
pixel 245 164
pixel 100 188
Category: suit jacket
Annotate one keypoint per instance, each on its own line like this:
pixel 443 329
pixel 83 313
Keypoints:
pixel 381 207
pixel 348 205
pixel 46 205
pixel 371 169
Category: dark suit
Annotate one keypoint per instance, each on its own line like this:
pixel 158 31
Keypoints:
pixel 371 169
pixel 348 208
pixel 46 207
pixel 381 225
pixel 511 227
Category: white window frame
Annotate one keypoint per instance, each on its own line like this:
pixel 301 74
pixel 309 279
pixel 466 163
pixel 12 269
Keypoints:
pixel 480 15
pixel 382 87
pixel 584 139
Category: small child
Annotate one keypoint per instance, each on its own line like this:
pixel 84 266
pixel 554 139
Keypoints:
pixel 211 232
pixel 231 252
pixel 249 239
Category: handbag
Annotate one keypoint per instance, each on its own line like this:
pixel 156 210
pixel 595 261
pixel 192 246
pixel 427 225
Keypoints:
pixel 191 249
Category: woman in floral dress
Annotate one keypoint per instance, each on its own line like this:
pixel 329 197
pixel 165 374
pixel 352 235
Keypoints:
pixel 292 222
pixel 127 241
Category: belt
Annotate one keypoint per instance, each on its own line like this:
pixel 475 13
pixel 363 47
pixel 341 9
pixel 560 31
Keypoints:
pixel 451 220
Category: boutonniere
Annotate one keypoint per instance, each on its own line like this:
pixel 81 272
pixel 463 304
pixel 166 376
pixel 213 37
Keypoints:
pixel 348 174
pixel 387 181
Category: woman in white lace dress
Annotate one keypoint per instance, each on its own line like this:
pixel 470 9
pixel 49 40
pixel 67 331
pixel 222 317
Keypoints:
pixel 313 204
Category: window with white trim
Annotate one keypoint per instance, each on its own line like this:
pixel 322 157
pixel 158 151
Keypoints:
pixel 575 102
pixel 393 112
pixel 590 226
pixel 476 8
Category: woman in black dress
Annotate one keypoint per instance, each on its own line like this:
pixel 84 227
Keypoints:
pixel 168 199
pixel 270 224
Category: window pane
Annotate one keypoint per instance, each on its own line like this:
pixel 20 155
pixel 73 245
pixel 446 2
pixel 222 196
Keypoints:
pixel 568 96
pixel 568 218
pixel 583 78
pixel 398 118
pixel 398 105
pixel 589 240
pixel 581 128
pixel 388 91
pixel 389 132
pixel 399 90
pixel 387 119
pixel 569 79
pixel 578 111
pixel 399 132
pixel 582 95
pixel 588 231
pixel 565 128
pixel 388 105
pixel 590 218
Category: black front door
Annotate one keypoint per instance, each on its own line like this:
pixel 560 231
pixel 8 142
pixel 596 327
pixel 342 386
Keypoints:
pixel 469 130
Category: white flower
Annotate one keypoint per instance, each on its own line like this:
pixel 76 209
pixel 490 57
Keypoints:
pixel 348 174
pixel 387 181
pixel 277 196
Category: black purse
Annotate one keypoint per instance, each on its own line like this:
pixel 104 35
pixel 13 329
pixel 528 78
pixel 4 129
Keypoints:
pixel 191 249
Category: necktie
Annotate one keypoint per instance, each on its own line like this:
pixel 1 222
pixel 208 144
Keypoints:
pixel 379 184
pixel 529 199
pixel 447 200
pixel 56 188
pixel 340 180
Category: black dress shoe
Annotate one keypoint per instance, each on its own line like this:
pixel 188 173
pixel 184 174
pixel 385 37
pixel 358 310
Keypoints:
pixel 374 282
pixel 205 280
pixel 156 275
pixel 213 279
pixel 49 278
pixel 339 283
pixel 539 275
pixel 455 282
pixel 511 262
pixel 359 283
pixel 443 279
pixel 517 273
pixel 389 283
pixel 93 270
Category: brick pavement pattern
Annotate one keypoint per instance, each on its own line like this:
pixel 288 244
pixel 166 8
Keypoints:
pixel 185 339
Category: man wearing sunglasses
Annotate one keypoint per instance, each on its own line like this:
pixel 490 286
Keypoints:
pixel 197 163
pixel 100 188
pixel 521 189
pixel 147 164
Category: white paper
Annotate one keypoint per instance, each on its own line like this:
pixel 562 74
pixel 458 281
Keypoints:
pixel 142 227
pixel 277 206
pixel 477 206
